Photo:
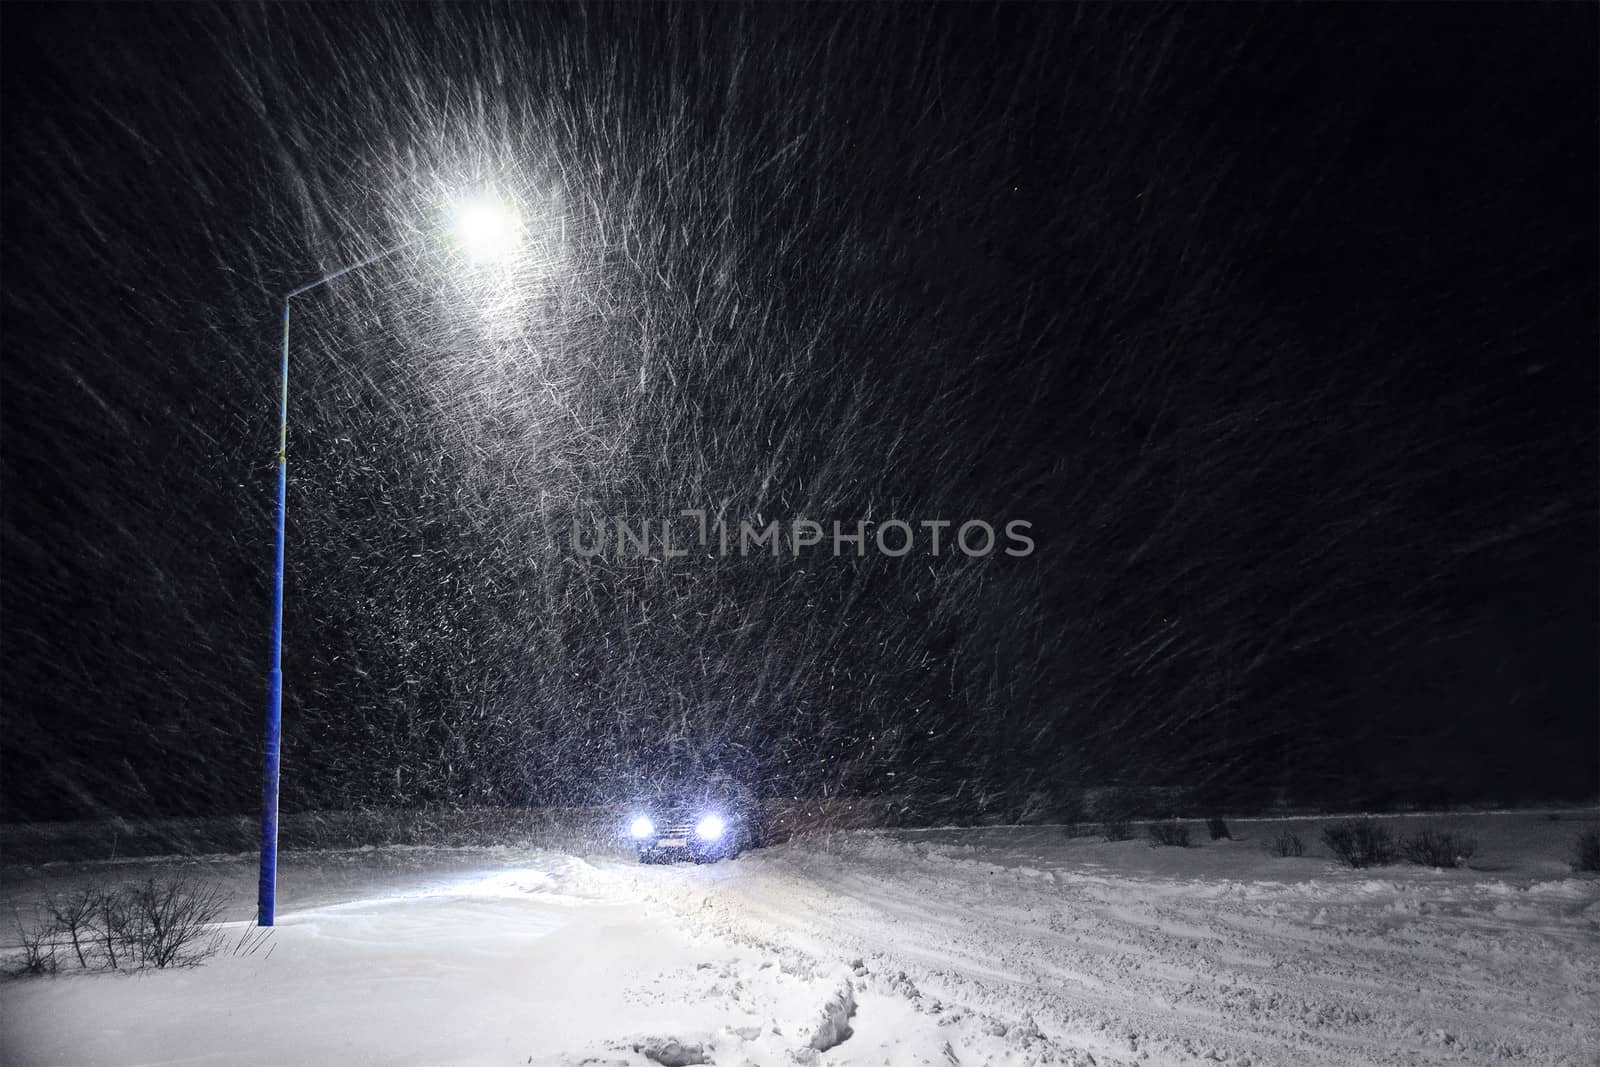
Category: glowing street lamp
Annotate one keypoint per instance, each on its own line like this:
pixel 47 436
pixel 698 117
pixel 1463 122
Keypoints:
pixel 488 230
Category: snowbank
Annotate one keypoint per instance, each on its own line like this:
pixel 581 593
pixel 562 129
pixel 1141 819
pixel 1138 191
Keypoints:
pixel 951 946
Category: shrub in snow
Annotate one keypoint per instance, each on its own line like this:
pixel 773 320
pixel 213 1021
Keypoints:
pixel 1218 830
pixel 175 921
pixel 73 916
pixel 160 924
pixel 1438 848
pixel 1586 851
pixel 1286 844
pixel 114 929
pixel 38 950
pixel 1360 843
pixel 1169 834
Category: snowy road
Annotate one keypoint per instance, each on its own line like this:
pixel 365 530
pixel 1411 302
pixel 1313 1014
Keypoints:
pixel 943 947
pixel 1342 967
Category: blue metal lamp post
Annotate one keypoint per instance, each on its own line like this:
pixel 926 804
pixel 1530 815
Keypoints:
pixel 487 229
pixel 266 898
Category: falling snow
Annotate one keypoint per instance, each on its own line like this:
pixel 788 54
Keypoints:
pixel 778 264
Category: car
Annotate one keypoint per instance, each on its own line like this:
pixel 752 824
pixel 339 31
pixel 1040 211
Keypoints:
pixel 702 820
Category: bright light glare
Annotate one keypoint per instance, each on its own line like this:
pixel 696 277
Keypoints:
pixel 642 827
pixel 710 827
pixel 488 229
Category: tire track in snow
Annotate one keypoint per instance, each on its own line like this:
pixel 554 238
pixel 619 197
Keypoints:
pixel 1176 971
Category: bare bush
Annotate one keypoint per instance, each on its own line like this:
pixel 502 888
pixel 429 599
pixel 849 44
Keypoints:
pixel 1286 844
pixel 175 921
pixel 1168 835
pixel 1433 847
pixel 171 923
pixel 252 939
pixel 73 916
pixel 114 928
pixel 1360 843
pixel 1586 851
pixel 38 949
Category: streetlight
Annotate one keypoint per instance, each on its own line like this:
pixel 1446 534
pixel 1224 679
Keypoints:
pixel 487 229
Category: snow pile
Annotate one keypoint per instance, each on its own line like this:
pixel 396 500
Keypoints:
pixel 833 1022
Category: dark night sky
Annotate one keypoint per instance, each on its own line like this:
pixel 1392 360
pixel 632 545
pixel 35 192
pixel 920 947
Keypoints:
pixel 1279 324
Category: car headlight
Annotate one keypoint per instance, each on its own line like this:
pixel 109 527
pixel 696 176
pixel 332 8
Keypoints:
pixel 711 827
pixel 642 827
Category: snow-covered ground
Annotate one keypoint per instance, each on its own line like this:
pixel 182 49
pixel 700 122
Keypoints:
pixel 909 947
